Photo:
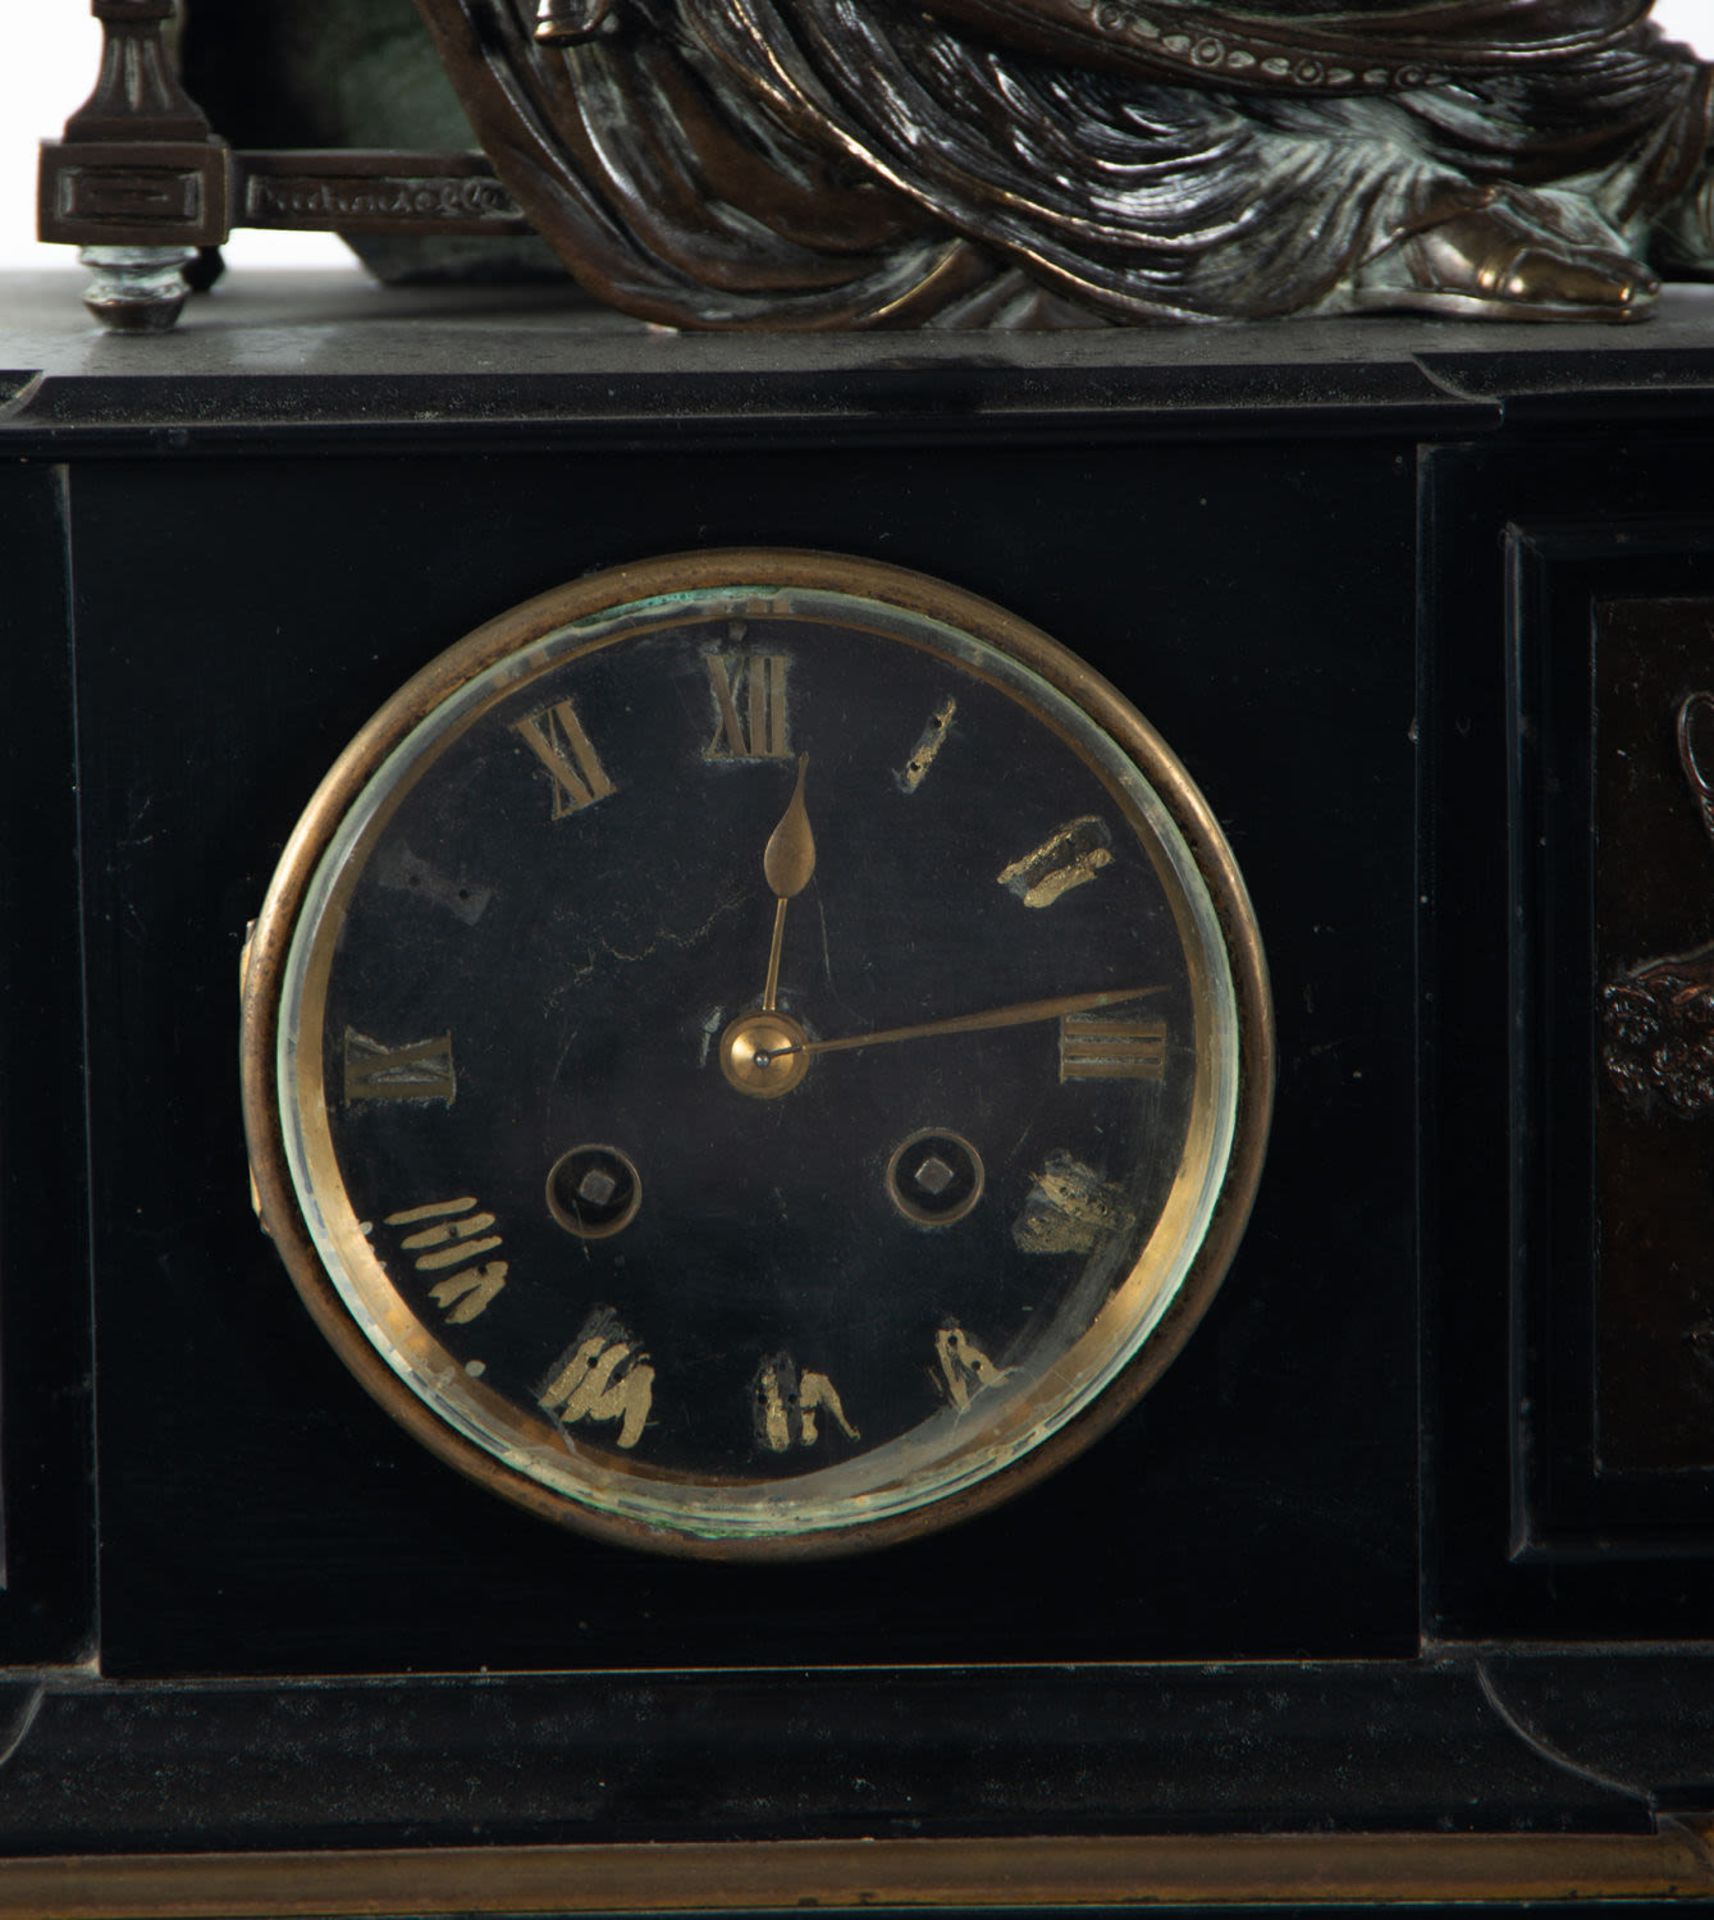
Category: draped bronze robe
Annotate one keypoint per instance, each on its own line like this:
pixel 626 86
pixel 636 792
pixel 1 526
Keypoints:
pixel 1026 162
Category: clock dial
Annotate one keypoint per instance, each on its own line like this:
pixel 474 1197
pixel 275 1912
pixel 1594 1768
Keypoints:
pixel 756 1053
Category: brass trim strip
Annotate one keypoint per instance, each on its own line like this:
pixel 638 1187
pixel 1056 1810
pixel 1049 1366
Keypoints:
pixel 774 1876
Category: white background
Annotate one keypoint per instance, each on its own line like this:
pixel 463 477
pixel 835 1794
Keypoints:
pixel 50 66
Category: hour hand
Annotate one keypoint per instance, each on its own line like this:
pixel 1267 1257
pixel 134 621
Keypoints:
pixel 788 861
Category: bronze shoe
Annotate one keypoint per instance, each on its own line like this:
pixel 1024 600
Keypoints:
pixel 1486 263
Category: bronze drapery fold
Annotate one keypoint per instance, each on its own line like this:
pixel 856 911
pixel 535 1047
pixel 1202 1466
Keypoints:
pixel 859 163
pixel 1303 49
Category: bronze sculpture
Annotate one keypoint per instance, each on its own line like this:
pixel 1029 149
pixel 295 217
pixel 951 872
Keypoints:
pixel 1035 162
pixel 1029 163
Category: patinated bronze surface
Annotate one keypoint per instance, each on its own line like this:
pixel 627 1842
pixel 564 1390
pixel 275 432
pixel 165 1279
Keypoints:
pixel 1051 162
pixel 964 163
pixel 1654 902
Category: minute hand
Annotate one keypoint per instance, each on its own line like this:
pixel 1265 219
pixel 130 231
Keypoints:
pixel 1019 1015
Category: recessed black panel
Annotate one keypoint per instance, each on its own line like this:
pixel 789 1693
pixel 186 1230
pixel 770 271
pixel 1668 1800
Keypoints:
pixel 1535 1530
pixel 47 1549
pixel 259 1513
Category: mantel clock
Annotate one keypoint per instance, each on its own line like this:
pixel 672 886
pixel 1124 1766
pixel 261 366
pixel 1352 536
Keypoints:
pixel 751 1052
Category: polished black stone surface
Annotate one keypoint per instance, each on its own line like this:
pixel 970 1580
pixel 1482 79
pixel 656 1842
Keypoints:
pixel 1316 1578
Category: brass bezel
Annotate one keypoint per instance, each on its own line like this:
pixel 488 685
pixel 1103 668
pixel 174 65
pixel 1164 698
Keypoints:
pixel 761 569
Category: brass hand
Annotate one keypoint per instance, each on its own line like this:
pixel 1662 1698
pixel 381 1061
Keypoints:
pixel 1020 1015
pixel 788 861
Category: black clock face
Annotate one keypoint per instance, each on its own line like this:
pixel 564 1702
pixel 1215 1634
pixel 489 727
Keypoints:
pixel 756 1061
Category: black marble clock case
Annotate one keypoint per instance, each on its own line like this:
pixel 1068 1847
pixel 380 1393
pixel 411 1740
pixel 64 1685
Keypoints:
pixel 1359 1559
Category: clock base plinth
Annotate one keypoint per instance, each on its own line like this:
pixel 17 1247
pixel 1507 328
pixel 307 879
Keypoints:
pixel 1240 1622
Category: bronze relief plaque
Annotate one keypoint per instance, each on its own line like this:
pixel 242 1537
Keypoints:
pixel 1654 1107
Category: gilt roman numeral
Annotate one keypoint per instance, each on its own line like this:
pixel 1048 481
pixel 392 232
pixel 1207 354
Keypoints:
pixel 419 1070
pixel 1094 1046
pixel 445 1235
pixel 788 1405
pixel 927 749
pixel 965 1370
pixel 751 718
pixel 601 1377
pixel 1069 1208
pixel 557 738
pixel 1071 856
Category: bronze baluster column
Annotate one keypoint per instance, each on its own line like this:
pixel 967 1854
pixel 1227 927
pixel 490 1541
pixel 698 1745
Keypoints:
pixel 139 182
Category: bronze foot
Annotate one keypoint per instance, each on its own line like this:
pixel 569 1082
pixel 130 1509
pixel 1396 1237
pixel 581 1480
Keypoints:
pixel 136 289
pixel 1489 263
